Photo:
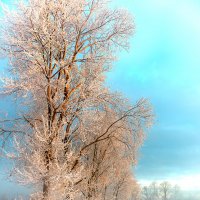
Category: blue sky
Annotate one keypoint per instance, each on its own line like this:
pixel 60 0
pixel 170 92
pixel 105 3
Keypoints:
pixel 163 64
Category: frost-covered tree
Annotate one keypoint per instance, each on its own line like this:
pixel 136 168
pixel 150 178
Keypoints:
pixel 74 139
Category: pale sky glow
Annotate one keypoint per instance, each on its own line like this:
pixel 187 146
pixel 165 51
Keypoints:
pixel 187 183
pixel 163 64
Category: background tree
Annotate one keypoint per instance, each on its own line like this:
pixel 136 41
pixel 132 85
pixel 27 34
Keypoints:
pixel 78 140
pixel 165 190
pixel 161 191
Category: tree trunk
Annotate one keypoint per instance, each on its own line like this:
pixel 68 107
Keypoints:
pixel 45 189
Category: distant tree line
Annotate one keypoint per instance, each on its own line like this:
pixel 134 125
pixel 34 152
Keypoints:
pixel 161 191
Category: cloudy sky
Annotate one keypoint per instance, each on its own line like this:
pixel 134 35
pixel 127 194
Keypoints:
pixel 163 64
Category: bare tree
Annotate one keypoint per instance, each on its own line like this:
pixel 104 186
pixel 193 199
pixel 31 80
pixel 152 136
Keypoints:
pixel 165 190
pixel 146 193
pixel 162 191
pixel 151 192
pixel 176 193
pixel 76 136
